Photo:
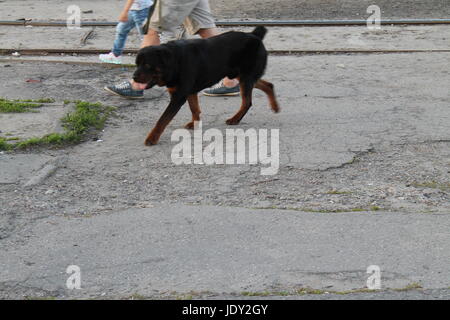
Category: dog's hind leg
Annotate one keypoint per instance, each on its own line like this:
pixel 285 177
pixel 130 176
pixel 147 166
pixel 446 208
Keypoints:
pixel 267 87
pixel 176 102
pixel 246 94
pixel 195 109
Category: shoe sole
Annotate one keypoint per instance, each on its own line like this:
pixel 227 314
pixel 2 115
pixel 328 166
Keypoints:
pixel 110 62
pixel 118 94
pixel 221 94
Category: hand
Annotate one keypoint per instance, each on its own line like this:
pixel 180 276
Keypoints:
pixel 123 16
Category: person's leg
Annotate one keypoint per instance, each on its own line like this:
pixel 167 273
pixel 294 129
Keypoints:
pixel 208 32
pixel 130 89
pixel 139 17
pixel 151 39
pixel 218 90
pixel 122 31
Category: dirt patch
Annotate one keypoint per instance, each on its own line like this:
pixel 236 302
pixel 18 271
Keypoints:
pixel 23 126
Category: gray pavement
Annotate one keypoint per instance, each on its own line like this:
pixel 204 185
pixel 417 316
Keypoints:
pixel 182 249
pixel 138 225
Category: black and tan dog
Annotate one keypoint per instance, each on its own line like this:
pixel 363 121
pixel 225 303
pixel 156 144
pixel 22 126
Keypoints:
pixel 186 67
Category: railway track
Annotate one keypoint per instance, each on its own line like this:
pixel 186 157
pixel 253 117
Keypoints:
pixel 270 23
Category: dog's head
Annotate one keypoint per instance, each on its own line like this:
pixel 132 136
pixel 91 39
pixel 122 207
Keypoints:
pixel 155 66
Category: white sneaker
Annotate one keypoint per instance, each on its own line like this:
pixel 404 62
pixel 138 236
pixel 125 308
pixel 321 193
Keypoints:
pixel 110 58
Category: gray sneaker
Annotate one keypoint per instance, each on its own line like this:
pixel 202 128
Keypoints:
pixel 221 90
pixel 125 90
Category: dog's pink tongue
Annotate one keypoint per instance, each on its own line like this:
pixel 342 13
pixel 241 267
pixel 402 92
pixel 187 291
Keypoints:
pixel 139 86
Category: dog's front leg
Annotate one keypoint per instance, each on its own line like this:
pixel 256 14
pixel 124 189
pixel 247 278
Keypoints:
pixel 195 109
pixel 246 95
pixel 176 102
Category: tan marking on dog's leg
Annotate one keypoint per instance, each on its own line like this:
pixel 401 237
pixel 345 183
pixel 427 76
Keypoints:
pixel 246 94
pixel 268 89
pixel 195 109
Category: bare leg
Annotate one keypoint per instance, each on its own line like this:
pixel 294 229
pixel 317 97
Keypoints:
pixel 208 33
pixel 151 39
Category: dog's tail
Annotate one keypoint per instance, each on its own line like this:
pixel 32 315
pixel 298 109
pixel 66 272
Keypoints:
pixel 260 32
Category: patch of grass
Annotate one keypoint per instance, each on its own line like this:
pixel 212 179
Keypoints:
pixel 86 117
pixel 4 145
pixel 18 106
pixel 304 291
pixel 301 291
pixel 307 290
pixel 42 100
pixel 362 290
pixel 411 286
pixel 40 298
pixel 341 210
pixel 432 185
pixel 136 296
pixel 12 139
pixel 306 209
pixel 50 139
pixel 256 294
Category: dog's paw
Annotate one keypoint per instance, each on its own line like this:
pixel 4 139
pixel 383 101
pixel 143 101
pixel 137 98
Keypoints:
pixel 189 125
pixel 232 122
pixel 150 141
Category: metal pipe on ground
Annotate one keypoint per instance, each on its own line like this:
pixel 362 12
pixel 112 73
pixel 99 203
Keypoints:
pixel 270 23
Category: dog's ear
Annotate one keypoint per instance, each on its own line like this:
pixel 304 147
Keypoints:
pixel 167 59
pixel 138 58
pixel 142 55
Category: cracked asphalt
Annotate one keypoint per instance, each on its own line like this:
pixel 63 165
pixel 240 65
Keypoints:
pixel 363 180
